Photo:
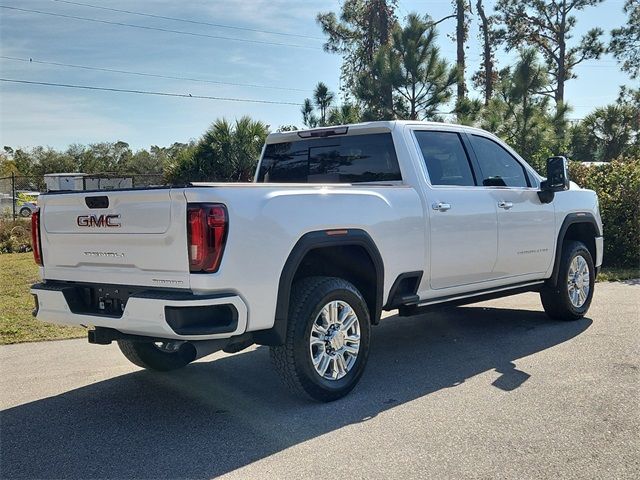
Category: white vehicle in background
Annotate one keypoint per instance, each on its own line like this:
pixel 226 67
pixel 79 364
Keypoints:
pixel 340 224
pixel 26 203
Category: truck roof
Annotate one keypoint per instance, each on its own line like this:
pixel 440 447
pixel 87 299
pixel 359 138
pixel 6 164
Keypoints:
pixel 357 129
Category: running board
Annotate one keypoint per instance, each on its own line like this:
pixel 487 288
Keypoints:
pixel 467 298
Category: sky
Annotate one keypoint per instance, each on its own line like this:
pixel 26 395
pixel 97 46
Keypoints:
pixel 264 67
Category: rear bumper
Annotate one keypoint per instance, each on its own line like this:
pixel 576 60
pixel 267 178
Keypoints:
pixel 153 313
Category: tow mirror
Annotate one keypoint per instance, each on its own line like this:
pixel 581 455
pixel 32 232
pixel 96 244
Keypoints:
pixel 557 179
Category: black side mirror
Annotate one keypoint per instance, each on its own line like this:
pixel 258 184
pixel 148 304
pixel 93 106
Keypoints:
pixel 557 179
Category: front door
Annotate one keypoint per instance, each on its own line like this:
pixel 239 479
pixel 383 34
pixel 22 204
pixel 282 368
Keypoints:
pixel 526 226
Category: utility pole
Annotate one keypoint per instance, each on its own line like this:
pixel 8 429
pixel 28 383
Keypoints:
pixel 13 194
pixel 461 36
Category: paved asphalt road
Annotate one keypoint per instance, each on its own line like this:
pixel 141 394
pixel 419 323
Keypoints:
pixel 493 390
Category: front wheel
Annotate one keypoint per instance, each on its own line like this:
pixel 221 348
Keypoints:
pixel 571 297
pixel 160 356
pixel 327 342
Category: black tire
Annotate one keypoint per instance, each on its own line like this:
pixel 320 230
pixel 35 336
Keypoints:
pixel 25 212
pixel 148 355
pixel 555 299
pixel 293 359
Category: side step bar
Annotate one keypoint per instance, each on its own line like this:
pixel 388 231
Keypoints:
pixel 408 310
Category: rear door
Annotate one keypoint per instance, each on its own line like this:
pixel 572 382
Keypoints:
pixel 135 237
pixel 463 222
pixel 526 226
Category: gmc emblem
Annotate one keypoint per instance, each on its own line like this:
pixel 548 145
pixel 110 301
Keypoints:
pixel 98 221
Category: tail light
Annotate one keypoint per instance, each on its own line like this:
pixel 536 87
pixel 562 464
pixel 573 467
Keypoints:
pixel 206 235
pixel 35 237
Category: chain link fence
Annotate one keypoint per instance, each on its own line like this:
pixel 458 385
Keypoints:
pixel 19 194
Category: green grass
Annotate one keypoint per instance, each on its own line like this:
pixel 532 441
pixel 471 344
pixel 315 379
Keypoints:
pixel 18 272
pixel 611 274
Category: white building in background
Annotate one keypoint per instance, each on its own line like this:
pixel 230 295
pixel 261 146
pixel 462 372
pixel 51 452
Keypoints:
pixel 64 181
pixel 83 181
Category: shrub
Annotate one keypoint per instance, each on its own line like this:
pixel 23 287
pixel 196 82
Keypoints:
pixel 15 235
pixel 618 187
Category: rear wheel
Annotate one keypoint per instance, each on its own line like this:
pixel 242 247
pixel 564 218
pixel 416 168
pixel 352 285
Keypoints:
pixel 327 343
pixel 571 297
pixel 161 356
pixel 25 212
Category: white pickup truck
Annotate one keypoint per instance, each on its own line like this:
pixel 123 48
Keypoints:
pixel 340 224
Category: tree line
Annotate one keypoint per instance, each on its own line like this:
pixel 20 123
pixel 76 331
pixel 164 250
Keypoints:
pixel 104 157
pixel 392 68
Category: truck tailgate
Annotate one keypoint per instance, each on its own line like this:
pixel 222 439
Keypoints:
pixel 134 237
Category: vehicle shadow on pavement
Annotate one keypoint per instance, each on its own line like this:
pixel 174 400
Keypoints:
pixel 214 417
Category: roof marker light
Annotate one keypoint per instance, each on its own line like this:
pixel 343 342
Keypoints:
pixel 323 132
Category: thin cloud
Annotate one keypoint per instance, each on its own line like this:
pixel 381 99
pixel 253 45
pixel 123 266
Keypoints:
pixel 54 120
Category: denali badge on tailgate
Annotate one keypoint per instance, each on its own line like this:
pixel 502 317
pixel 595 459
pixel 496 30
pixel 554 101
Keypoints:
pixel 98 221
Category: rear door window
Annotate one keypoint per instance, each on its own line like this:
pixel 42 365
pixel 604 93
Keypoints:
pixel 350 159
pixel 445 157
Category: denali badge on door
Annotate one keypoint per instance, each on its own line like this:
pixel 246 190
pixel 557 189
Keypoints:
pixel 98 221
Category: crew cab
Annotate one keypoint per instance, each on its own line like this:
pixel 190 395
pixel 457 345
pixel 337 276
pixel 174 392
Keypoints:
pixel 339 224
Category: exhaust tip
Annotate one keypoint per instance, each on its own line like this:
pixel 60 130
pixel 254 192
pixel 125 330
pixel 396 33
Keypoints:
pixel 188 352
pixel 191 351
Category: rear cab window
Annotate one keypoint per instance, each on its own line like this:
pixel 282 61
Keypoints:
pixel 335 159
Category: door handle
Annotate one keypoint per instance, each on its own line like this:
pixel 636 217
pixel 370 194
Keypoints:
pixel 505 205
pixel 443 207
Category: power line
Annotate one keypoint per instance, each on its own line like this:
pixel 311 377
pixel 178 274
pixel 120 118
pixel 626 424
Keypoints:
pixel 158 29
pixel 187 95
pixel 147 92
pixel 186 20
pixel 146 74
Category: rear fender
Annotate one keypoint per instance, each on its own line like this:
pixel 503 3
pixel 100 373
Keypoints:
pixel 308 242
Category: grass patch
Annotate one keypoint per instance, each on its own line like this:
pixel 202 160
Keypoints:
pixel 17 273
pixel 611 274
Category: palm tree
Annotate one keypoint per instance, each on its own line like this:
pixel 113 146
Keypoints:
pixel 247 140
pixel 323 98
pixel 308 117
pixel 226 152
pixel 607 133
pixel 345 113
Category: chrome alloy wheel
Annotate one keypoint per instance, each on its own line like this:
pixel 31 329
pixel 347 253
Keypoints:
pixel 578 281
pixel 334 342
pixel 168 347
